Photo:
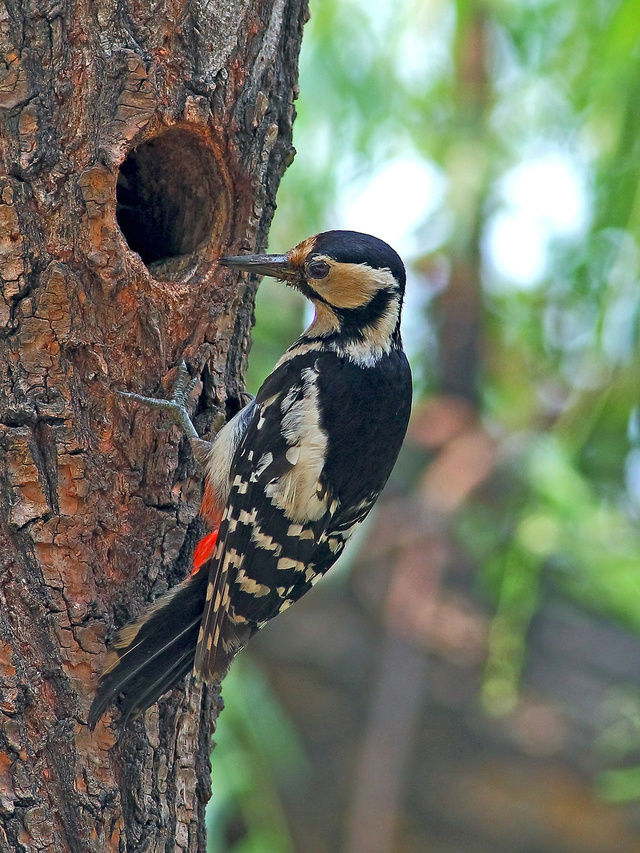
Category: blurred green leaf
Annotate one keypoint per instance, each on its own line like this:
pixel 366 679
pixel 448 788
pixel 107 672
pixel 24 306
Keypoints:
pixel 482 91
pixel 255 745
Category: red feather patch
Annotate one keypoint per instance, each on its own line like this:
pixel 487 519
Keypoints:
pixel 204 550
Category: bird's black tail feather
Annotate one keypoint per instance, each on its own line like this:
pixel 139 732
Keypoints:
pixel 149 656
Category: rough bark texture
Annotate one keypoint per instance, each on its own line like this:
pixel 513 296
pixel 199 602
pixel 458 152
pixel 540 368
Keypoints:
pixel 161 127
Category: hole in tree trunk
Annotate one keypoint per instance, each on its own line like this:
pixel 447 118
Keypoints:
pixel 165 197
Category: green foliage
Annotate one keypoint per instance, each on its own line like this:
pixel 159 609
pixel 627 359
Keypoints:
pixel 280 312
pixel 255 744
pixel 482 91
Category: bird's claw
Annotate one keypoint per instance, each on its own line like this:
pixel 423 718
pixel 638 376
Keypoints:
pixel 176 406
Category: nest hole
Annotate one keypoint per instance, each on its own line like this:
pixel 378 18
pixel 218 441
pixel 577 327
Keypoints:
pixel 166 197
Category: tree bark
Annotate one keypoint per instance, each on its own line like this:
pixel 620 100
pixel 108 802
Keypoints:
pixel 139 141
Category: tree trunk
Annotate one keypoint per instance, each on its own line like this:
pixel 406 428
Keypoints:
pixel 138 142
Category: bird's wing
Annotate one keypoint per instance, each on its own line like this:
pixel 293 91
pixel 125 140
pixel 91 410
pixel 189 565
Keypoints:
pixel 278 513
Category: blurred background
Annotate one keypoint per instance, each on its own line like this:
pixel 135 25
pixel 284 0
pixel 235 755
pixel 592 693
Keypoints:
pixel 467 678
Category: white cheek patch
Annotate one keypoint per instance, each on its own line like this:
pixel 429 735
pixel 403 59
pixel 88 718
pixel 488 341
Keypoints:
pixel 353 286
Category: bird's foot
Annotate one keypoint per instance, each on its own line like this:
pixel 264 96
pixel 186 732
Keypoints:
pixel 176 407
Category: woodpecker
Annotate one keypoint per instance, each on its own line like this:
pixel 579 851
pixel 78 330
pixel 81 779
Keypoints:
pixel 289 478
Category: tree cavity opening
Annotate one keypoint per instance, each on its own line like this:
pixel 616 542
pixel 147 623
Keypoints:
pixel 166 196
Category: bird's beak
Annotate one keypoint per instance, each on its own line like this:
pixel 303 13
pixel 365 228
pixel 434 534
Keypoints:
pixel 277 266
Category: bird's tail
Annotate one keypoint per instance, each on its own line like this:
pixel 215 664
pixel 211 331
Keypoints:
pixel 149 656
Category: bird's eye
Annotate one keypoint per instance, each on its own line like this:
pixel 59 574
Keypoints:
pixel 318 269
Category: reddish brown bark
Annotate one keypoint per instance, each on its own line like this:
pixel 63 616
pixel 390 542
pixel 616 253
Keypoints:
pixel 181 112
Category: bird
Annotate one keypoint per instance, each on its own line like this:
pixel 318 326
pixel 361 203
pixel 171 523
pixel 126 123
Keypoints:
pixel 289 478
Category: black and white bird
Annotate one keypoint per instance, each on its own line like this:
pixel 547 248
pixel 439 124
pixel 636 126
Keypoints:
pixel 289 478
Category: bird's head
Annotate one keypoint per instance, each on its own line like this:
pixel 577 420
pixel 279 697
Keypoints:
pixel 355 281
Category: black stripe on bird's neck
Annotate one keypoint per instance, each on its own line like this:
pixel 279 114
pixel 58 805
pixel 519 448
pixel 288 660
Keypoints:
pixel 356 322
pixel 364 333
